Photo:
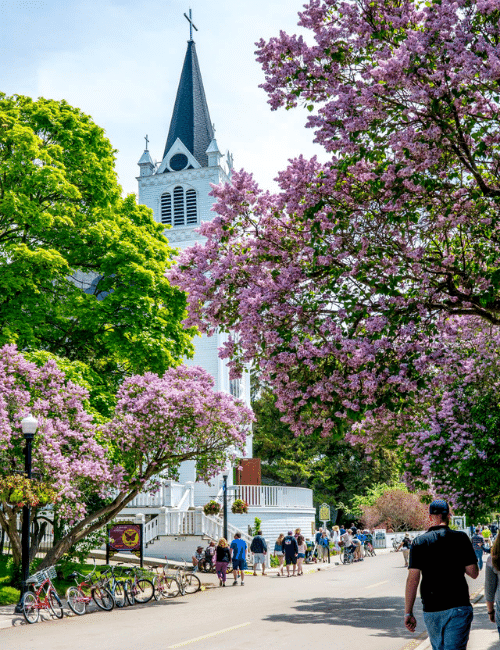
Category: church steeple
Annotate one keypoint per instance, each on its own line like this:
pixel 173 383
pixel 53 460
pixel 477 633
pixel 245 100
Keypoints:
pixel 191 119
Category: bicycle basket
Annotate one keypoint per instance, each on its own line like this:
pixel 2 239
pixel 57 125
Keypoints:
pixel 38 577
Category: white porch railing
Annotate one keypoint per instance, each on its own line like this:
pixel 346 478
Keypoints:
pixel 170 494
pixel 273 496
pixel 175 495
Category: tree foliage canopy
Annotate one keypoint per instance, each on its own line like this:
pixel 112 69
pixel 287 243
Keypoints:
pixel 335 470
pixel 341 285
pixel 158 423
pixel 81 269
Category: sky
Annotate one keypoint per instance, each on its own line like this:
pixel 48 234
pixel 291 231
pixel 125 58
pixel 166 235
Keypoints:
pixel 120 62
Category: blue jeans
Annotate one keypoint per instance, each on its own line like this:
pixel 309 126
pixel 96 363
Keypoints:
pixel 479 555
pixel 449 629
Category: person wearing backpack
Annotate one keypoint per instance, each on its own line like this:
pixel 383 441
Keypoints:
pixel 259 549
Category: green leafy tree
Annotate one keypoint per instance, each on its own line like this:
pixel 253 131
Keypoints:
pixel 333 468
pixel 81 269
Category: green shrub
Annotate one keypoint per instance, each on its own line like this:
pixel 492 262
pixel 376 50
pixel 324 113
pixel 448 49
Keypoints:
pixel 274 561
pixel 9 595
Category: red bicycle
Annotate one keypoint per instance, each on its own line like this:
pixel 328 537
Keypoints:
pixel 45 596
pixel 80 596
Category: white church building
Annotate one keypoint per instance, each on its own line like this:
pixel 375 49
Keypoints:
pixel 177 190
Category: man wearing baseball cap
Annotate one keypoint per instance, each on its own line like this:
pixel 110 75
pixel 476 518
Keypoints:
pixel 441 557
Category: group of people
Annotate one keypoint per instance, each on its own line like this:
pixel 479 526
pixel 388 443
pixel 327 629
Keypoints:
pixel 292 550
pixel 222 554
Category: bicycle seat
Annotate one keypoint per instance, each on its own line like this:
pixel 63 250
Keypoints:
pixel 72 575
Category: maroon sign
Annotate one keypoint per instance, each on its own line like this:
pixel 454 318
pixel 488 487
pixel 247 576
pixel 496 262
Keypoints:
pixel 125 537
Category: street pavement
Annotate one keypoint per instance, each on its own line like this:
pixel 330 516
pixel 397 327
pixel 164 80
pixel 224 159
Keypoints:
pixel 360 605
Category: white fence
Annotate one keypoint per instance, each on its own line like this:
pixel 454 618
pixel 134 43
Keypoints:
pixel 170 494
pixel 273 496
pixel 175 495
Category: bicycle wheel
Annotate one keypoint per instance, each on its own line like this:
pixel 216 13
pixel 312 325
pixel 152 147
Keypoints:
pixel 119 595
pixel 159 585
pixel 102 598
pixel 30 607
pixel 191 583
pixel 173 588
pixel 143 591
pixel 129 592
pixel 76 601
pixel 55 604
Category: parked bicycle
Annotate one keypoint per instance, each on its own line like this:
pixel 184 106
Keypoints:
pixel 88 589
pixel 165 585
pixel 115 586
pixel 189 582
pixel 138 589
pixel 44 596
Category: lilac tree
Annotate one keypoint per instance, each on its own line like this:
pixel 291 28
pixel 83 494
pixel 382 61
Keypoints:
pixel 339 285
pixel 343 269
pixel 158 423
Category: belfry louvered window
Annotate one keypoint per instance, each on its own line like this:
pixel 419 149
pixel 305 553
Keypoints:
pixel 191 213
pixel 184 210
pixel 166 208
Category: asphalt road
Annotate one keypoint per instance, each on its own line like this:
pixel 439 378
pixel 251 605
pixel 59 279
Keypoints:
pixel 346 607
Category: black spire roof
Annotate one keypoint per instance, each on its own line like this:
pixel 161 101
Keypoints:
pixel 191 119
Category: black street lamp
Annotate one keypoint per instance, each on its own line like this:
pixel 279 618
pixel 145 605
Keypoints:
pixel 224 504
pixel 29 426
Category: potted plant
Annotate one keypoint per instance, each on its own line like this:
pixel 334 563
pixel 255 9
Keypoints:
pixel 211 508
pixel 239 507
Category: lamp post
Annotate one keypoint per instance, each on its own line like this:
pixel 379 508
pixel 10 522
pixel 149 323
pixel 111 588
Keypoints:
pixel 224 504
pixel 29 425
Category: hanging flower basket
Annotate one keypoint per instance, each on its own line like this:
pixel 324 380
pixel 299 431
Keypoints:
pixel 17 490
pixel 239 507
pixel 211 508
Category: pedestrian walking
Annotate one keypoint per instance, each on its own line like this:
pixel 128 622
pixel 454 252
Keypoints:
pixel 478 545
pixel 291 550
pixel 259 550
pixel 301 554
pixel 222 559
pixel 492 583
pixel 441 557
pixel 405 546
pixel 239 553
pixel 324 547
pixel 278 552
pixel 336 538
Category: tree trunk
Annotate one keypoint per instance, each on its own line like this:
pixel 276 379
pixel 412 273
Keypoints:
pixel 8 521
pixel 88 525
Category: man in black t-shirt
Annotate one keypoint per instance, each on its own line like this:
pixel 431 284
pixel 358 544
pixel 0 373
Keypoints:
pixel 442 557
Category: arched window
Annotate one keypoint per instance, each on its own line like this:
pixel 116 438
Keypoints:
pixel 184 212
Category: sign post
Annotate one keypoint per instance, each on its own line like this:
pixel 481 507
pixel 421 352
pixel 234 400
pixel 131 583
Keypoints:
pixel 324 513
pixel 125 538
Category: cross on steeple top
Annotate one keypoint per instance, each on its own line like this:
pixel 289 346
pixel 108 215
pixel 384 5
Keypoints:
pixel 147 141
pixel 191 24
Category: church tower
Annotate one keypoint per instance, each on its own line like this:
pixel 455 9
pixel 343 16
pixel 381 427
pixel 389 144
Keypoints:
pixel 177 190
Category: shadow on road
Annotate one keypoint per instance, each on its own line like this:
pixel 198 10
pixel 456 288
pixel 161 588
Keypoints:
pixel 383 614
